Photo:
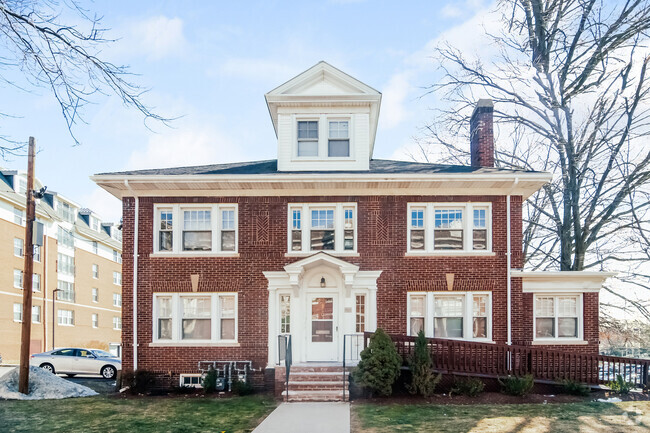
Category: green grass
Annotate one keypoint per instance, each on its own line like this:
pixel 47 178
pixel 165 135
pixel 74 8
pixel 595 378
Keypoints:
pixel 530 418
pixel 104 414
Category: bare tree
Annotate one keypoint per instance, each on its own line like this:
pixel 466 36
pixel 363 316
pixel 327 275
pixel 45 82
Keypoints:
pixel 570 86
pixel 64 58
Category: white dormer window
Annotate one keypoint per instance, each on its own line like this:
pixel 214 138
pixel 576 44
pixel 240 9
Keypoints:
pixel 308 138
pixel 338 144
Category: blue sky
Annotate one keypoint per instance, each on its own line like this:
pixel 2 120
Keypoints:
pixel 212 62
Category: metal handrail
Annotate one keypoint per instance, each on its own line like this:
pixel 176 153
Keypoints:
pixel 356 342
pixel 284 342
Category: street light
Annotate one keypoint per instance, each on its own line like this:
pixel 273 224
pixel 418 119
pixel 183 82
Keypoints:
pixel 53 315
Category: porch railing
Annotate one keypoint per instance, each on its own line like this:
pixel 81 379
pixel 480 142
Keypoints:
pixel 285 354
pixel 353 344
pixel 496 360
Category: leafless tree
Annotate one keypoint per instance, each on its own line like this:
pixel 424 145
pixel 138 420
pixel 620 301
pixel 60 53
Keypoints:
pixel 38 49
pixel 570 86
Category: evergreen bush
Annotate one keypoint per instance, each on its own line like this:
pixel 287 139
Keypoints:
pixel 379 366
pixel 620 386
pixel 241 387
pixel 423 379
pixel 139 381
pixel 209 382
pixel 519 386
pixel 574 388
pixel 471 386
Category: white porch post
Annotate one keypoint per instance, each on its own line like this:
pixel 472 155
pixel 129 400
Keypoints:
pixel 273 334
pixel 372 309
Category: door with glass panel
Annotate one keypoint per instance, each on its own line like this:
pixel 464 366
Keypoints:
pixel 322 340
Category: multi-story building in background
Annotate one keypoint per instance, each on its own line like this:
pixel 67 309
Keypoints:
pixel 77 282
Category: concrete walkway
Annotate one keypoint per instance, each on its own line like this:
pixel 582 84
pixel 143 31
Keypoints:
pixel 307 417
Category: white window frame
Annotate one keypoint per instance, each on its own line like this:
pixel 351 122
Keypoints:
pixel 579 311
pixel 36 278
pixel 65 319
pixel 177 316
pixel 117 323
pixel 95 271
pixel 192 385
pixel 20 215
pixel 94 320
pixel 468 226
pixel 468 316
pixel 19 246
pixel 117 300
pixel 18 309
pixel 323 136
pixel 339 227
pixel 37 253
pixel 20 278
pixel 117 278
pixel 95 295
pixel 177 229
pixel 317 140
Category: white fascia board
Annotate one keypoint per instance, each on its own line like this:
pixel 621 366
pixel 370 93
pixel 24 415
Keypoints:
pixel 562 281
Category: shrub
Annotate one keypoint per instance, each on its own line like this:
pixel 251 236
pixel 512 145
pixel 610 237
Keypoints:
pixel 241 387
pixel 379 366
pixel 518 386
pixel 471 386
pixel 183 389
pixel 209 382
pixel 423 379
pixel 139 381
pixel 574 388
pixel 620 386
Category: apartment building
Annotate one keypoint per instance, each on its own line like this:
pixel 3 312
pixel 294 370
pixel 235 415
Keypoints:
pixel 77 299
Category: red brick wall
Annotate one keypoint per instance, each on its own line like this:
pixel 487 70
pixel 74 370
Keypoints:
pixel 382 230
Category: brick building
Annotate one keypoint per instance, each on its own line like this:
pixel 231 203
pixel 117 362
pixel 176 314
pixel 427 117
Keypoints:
pixel 219 260
pixel 79 265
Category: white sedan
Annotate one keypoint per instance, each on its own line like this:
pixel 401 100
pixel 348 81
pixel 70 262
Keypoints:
pixel 73 361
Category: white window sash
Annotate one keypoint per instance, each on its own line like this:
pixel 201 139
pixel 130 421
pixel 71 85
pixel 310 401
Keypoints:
pixel 579 312
pixel 177 317
pixel 306 226
pixel 468 226
pixel 468 314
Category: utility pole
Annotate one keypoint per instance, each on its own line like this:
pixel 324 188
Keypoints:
pixel 23 382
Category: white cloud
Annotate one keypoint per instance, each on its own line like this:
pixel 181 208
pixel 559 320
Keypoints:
pixel 191 145
pixel 156 37
pixel 105 205
pixel 451 11
pixel 393 107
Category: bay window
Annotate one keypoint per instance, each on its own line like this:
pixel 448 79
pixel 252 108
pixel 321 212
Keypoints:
pixel 557 317
pixel 190 229
pixel 182 318
pixel 455 315
pixel 322 227
pixel 449 228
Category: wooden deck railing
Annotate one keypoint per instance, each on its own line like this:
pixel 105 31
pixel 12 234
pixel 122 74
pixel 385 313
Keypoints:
pixel 468 357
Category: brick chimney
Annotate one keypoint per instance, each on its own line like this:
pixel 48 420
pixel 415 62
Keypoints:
pixel 482 134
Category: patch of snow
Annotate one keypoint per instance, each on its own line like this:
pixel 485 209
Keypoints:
pixel 610 400
pixel 42 385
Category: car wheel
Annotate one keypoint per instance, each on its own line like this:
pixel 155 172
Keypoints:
pixel 108 372
pixel 48 367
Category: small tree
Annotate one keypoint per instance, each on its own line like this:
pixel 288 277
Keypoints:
pixel 423 379
pixel 379 366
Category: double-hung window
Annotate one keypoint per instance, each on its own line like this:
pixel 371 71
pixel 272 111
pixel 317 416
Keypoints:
pixel 455 315
pixel 117 323
pixel 558 317
pixel 338 144
pixel 65 317
pixel 36 314
pixel 66 291
pixel 195 318
pixel 18 279
pixel 448 228
pixel 117 299
pixel 19 247
pixel 196 229
pixel 307 138
pixel 65 238
pixel 18 312
pixel 19 216
pixel 36 282
pixel 37 253
pixel 322 227
pixel 117 278
pixel 65 264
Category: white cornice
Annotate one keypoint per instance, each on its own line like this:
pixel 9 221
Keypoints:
pixel 562 281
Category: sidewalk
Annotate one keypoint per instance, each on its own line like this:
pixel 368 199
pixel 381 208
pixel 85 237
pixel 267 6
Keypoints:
pixel 307 417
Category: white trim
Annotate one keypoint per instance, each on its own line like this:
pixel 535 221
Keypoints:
pixel 579 315
pixel 198 385
pixel 562 281
pixel 468 313
pixel 467 208
pixel 559 342
pixel 339 228
pixel 177 319
pixel 177 229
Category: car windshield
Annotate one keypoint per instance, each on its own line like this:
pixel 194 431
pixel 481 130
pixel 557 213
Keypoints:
pixel 102 354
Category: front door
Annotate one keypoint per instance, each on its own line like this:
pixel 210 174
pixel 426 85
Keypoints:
pixel 322 339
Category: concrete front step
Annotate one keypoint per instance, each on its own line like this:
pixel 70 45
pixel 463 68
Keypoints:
pixel 317 376
pixel 311 395
pixel 316 385
pixel 317 368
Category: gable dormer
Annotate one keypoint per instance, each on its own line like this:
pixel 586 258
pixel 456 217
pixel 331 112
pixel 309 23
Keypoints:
pixel 325 120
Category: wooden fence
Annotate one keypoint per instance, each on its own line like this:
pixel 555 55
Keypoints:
pixel 495 360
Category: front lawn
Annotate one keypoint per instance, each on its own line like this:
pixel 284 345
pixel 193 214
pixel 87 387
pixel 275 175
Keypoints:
pixel 631 416
pixel 134 415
